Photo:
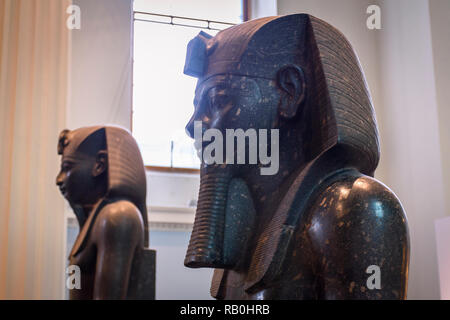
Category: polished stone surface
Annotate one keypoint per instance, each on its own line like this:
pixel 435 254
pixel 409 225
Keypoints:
pixel 318 227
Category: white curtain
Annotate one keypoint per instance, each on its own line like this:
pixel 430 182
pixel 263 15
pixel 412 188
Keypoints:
pixel 34 55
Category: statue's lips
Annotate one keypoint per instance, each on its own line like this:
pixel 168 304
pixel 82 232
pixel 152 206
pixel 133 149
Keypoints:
pixel 63 191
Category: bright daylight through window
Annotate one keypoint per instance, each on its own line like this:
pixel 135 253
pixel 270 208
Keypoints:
pixel 162 94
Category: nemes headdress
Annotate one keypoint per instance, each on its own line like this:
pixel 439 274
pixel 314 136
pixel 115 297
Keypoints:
pixel 126 172
pixel 341 114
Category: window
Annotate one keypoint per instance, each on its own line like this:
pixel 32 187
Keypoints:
pixel 162 94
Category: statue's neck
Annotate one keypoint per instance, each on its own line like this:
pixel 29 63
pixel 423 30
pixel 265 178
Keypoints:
pixel 269 191
pixel 82 212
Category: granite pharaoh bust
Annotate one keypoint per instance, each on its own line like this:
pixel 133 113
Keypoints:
pixel 321 227
pixel 103 178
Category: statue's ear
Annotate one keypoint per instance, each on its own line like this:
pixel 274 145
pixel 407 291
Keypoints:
pixel 291 82
pixel 101 163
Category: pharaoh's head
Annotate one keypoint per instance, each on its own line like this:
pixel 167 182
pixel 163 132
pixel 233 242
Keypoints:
pixel 83 177
pixel 101 163
pixel 293 73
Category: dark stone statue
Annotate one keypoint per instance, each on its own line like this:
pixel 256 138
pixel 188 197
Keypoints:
pixel 321 227
pixel 103 178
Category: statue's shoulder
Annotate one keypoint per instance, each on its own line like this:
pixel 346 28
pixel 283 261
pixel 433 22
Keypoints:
pixel 372 197
pixel 358 202
pixel 119 216
pixel 357 224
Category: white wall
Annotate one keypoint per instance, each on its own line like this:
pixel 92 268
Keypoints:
pixel 399 66
pixel 440 26
pixel 101 73
pixel 262 8
pixel 440 29
pixel 171 216
pixel 411 152
pixel 442 227
pixel 173 280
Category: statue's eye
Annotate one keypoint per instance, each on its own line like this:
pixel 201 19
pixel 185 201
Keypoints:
pixel 218 100
pixel 66 166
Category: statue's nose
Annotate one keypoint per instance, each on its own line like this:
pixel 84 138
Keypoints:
pixel 59 179
pixel 190 128
pixel 197 120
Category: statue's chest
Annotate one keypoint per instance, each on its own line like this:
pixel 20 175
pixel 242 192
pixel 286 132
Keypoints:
pixel 298 280
pixel 86 261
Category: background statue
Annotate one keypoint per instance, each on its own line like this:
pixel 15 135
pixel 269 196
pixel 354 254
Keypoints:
pixel 103 178
pixel 322 227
